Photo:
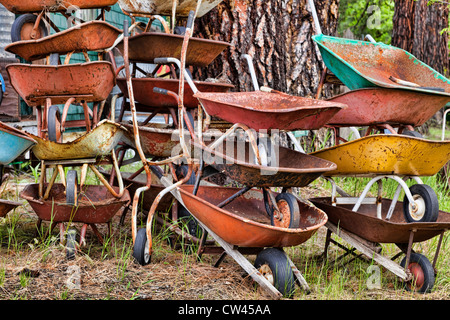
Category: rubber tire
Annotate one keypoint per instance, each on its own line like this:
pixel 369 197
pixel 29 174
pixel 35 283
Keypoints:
pixel 54 124
pixel 283 277
pixel 267 152
pixel 72 188
pixel 23 19
pixel 430 200
pixel 191 120
pixel 71 242
pixel 294 210
pixel 425 270
pixel 191 223
pixel 140 252
pixel 412 134
pixel 182 170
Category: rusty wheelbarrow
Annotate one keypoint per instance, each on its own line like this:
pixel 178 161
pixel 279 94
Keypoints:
pixel 266 110
pixel 95 206
pixel 396 107
pixel 415 269
pixel 397 157
pixel 244 224
pixel 44 86
pixel 147 46
pixel 92 148
pixel 30 24
pixel 88 36
pixel 149 101
pixel 362 64
pixel 165 8
pixel 13 142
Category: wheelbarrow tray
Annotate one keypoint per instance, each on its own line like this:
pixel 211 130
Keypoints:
pixel 237 161
pixel 265 110
pixel 90 81
pixel 88 36
pixel 147 46
pixel 362 64
pixel 6 206
pixel 95 204
pixel 13 143
pixel 164 7
pixel 149 100
pixel 370 106
pixel 30 6
pixel 391 154
pixel 158 140
pixel 244 222
pixel 98 142
pixel 365 223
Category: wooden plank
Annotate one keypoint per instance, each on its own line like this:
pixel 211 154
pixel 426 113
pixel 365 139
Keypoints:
pixel 369 252
pixel 235 254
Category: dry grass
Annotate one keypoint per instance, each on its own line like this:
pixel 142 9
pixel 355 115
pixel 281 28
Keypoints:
pixel 35 268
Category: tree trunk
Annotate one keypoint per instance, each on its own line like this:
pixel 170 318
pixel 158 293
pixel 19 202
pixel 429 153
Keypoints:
pixel 416 29
pixel 276 34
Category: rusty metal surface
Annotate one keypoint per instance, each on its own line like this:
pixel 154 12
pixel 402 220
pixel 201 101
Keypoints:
pixel 89 36
pixel 364 64
pixel 155 141
pixel 264 110
pixel 244 222
pixel 145 47
pixel 90 82
pixel 98 142
pixel 26 6
pixel 95 204
pixel 387 154
pixel 382 105
pixel 6 206
pixel 164 7
pixel 365 223
pixel 143 92
pixel 237 160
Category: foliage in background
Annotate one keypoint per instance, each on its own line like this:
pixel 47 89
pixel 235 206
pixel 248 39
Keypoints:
pixel 362 17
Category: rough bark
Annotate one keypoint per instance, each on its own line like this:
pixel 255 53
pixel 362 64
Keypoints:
pixel 417 27
pixel 277 34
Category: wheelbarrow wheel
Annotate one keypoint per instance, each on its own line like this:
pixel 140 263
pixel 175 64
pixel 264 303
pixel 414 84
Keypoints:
pixel 140 248
pixel 273 264
pixel 267 152
pixel 190 222
pixel 412 134
pixel 72 188
pixel 23 26
pixel 71 244
pixel 54 124
pixel 427 204
pixel 422 271
pixel 289 211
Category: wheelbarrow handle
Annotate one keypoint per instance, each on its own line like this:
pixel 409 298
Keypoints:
pixel 190 20
pixel 125 28
pixel 160 90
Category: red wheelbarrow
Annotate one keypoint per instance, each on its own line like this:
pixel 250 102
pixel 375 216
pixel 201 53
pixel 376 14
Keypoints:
pixel 95 206
pixel 415 269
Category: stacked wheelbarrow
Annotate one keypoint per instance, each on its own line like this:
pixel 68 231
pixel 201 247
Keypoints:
pixel 390 91
pixel 44 87
pixel 240 220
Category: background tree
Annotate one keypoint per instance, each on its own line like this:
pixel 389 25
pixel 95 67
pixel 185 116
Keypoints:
pixel 277 34
pixel 417 28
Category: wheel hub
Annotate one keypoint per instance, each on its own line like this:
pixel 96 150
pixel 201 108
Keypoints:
pixel 417 210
